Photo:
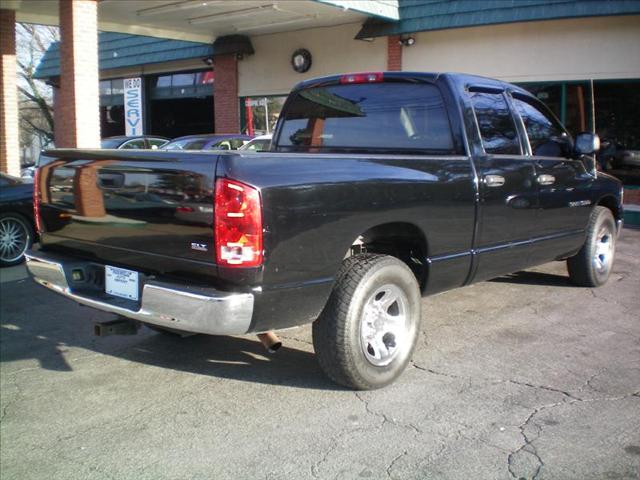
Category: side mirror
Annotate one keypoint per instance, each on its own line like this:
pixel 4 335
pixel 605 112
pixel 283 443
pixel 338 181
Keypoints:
pixel 587 143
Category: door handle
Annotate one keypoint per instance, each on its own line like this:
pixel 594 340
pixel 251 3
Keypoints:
pixel 494 180
pixel 545 179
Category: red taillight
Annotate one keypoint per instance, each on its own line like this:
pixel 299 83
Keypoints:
pixel 36 201
pixel 238 224
pixel 370 77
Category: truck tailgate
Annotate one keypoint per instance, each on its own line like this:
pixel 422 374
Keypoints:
pixel 145 209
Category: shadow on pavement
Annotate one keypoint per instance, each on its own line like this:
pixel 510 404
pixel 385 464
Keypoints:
pixel 37 324
pixel 535 278
pixel 230 357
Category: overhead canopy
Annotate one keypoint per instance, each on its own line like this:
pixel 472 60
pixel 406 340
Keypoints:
pixel 425 15
pixel 205 20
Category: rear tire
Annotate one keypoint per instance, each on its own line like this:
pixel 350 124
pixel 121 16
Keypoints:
pixel 366 334
pixel 592 265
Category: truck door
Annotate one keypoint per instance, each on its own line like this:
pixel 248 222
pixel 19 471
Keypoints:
pixel 563 183
pixel 508 192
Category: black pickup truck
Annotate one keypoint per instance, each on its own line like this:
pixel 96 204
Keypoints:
pixel 379 188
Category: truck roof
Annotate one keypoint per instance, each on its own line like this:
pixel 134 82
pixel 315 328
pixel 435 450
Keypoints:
pixel 413 77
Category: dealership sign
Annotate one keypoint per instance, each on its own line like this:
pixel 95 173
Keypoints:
pixel 133 115
pixel 260 102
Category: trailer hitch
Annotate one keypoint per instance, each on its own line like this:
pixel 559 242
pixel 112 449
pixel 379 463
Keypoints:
pixel 119 326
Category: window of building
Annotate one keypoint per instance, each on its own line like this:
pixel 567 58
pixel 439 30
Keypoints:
pixel 117 86
pixel 396 117
pixel 615 107
pixel 569 101
pixel 205 78
pixel 495 123
pixel 182 84
pixel 617 113
pixel 182 79
pixel 546 136
pixel 260 114
pixel 163 81
pixel 111 92
pixel 105 87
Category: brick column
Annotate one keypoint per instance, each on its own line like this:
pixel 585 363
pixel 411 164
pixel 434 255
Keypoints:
pixel 78 118
pixel 9 132
pixel 394 53
pixel 225 94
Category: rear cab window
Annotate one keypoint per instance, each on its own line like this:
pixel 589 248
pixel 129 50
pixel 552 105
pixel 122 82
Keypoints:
pixel 395 117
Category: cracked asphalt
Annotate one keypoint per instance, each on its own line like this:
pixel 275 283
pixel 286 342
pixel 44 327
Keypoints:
pixel 524 376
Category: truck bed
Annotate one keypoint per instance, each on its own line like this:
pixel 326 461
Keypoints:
pixel 147 210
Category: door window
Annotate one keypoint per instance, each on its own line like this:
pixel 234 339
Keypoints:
pixel 495 122
pixel 157 142
pixel 546 135
pixel 136 144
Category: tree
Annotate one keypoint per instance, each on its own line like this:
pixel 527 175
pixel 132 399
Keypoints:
pixel 35 98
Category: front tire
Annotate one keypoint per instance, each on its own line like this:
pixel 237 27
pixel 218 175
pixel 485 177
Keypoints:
pixel 366 334
pixel 592 265
pixel 16 237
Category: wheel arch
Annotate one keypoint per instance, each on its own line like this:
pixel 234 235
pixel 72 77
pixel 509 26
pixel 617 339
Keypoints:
pixel 403 240
pixel 611 202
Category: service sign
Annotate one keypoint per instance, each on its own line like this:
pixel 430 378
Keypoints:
pixel 133 115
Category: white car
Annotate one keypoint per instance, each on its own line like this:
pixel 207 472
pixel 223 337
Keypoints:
pixel 261 143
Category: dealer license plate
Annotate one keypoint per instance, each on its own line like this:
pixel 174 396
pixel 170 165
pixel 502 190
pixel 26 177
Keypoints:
pixel 121 282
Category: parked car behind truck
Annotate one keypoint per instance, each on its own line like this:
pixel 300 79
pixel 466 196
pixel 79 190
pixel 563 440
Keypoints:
pixel 17 232
pixel 379 188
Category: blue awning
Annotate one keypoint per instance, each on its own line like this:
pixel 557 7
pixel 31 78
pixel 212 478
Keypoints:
pixel 119 50
pixel 424 15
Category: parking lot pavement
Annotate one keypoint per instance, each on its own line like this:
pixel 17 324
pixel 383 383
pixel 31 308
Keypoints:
pixel 521 377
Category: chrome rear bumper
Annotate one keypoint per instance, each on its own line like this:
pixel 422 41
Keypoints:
pixel 176 306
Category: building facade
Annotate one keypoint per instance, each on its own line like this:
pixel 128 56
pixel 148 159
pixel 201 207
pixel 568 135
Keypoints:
pixel 228 66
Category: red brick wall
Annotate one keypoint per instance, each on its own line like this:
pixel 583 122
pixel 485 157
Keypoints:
pixel 225 95
pixel 631 197
pixel 78 116
pixel 394 53
pixel 9 133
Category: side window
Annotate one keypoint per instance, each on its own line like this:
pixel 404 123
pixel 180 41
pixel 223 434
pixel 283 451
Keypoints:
pixel 133 144
pixel 156 142
pixel 222 145
pixel 546 136
pixel 497 127
pixel 236 143
pixel 195 145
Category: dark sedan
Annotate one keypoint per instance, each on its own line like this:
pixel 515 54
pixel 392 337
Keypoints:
pixel 143 142
pixel 208 142
pixel 17 231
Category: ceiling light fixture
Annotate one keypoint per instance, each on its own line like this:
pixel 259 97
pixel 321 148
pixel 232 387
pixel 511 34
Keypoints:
pixel 172 7
pixel 407 41
pixel 226 15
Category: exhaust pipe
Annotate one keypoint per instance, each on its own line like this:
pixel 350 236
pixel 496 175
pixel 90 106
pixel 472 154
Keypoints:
pixel 270 341
pixel 120 326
